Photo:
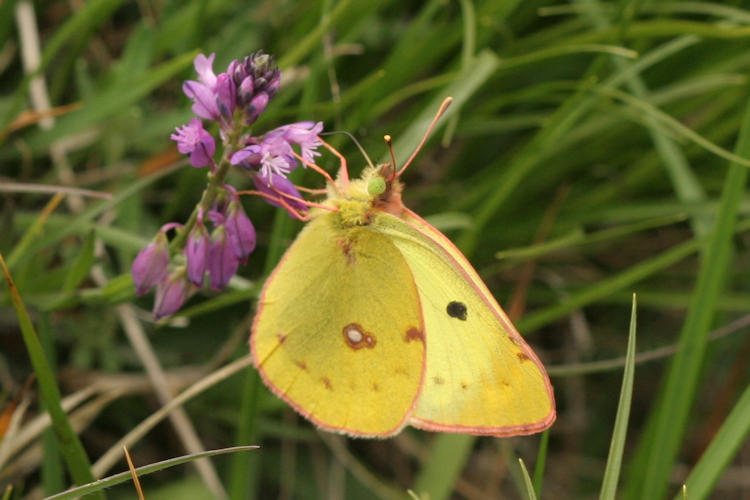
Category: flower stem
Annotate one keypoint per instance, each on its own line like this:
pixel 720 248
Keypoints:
pixel 213 185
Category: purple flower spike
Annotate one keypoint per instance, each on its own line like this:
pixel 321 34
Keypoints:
pixel 150 265
pixel 240 230
pixel 196 252
pixel 222 261
pixel 277 184
pixel 257 79
pixel 171 293
pixel 193 139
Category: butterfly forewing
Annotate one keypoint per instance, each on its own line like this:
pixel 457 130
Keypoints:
pixel 481 377
pixel 339 330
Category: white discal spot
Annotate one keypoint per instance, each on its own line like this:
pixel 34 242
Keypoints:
pixel 355 336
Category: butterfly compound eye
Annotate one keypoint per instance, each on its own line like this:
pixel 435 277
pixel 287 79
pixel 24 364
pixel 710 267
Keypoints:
pixel 376 186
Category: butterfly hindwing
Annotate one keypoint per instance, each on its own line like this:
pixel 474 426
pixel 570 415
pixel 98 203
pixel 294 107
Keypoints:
pixel 481 377
pixel 339 330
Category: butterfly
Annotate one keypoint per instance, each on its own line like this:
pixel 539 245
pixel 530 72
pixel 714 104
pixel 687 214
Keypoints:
pixel 374 320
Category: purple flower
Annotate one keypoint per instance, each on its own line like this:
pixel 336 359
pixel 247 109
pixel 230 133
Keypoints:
pixel 277 186
pixel 222 261
pixel 214 95
pixel 240 230
pixel 304 134
pixel 204 67
pixel 204 100
pixel 196 252
pixel 216 217
pixel 273 155
pixel 150 265
pixel 171 293
pixel 193 139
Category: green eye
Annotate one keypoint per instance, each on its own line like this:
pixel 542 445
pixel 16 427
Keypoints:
pixel 376 186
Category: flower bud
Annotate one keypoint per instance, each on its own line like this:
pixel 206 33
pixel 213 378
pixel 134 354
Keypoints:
pixel 222 261
pixel 171 293
pixel 196 253
pixel 150 265
pixel 240 230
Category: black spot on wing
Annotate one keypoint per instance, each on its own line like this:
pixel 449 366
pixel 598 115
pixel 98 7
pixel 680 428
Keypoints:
pixel 456 310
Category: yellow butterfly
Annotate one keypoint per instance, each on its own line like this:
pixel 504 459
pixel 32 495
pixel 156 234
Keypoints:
pixel 374 320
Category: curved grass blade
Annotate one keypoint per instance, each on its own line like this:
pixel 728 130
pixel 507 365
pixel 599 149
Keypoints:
pixel 723 447
pixel 655 457
pixel 671 123
pixel 121 477
pixel 561 122
pixel 461 89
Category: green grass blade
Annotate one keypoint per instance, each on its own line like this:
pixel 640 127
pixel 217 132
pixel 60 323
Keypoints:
pixel 723 448
pixel 577 238
pixel 311 41
pixel 243 478
pixel 686 184
pixel 447 457
pixel 6 19
pixel 461 89
pixel 82 264
pixel 655 458
pixel 86 19
pixel 122 477
pixel 530 494
pixel 111 100
pixel 70 446
pixel 541 462
pixel 53 468
pixel 614 459
pixel 80 222
pixel 669 122
pixel 565 118
pixel 605 287
pixel 33 231
pixel 244 472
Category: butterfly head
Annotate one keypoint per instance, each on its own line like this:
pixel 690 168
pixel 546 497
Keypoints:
pixel 358 200
pixel 377 190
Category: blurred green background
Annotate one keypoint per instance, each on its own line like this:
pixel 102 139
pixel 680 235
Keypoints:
pixel 595 149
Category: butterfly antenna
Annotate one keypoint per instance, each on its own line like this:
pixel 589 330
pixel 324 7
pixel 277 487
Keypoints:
pixel 389 142
pixel 356 143
pixel 443 107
